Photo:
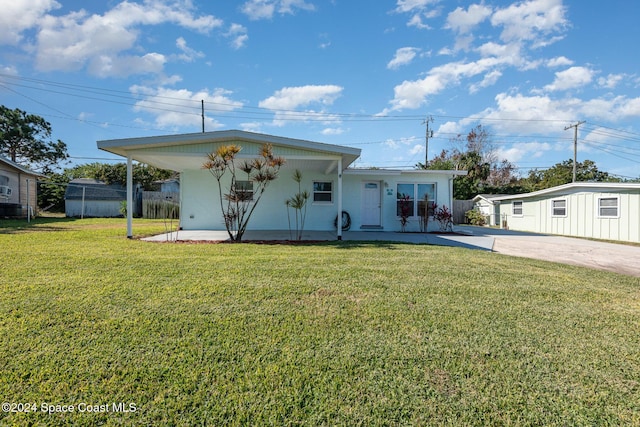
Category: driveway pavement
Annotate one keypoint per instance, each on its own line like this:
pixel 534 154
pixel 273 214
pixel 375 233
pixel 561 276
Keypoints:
pixel 618 258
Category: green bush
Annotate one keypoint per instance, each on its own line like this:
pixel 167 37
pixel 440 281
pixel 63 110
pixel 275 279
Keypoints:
pixel 475 217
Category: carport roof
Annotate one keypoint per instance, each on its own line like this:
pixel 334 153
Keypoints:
pixel 157 150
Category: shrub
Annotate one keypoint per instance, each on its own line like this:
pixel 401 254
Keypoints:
pixel 475 217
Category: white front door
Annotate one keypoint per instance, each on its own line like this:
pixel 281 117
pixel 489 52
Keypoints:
pixel 371 203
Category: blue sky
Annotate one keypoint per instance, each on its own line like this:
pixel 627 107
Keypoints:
pixel 357 73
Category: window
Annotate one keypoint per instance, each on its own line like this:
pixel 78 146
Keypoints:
pixel 322 191
pixel 408 194
pixel 608 207
pixel 516 208
pixel 244 190
pixel 559 207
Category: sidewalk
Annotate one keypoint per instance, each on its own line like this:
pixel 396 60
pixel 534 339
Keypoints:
pixel 444 239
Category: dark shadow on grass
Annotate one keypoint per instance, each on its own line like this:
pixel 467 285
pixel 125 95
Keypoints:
pixel 10 226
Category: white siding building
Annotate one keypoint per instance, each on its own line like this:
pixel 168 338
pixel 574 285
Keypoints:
pixel 598 210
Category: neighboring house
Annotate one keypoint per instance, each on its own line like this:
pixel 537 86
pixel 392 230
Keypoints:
pixel 485 204
pixel 369 196
pixel 18 189
pixel 87 197
pixel 599 210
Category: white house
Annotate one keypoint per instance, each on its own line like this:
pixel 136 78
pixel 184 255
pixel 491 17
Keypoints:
pixel 599 210
pixel 18 189
pixel 368 196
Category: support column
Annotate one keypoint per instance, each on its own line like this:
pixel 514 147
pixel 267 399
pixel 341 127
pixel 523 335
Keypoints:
pixel 129 197
pixel 340 198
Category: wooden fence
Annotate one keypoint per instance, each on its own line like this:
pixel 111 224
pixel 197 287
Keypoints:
pixel 460 207
pixel 160 205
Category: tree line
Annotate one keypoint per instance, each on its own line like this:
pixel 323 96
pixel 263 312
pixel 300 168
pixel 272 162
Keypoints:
pixel 488 174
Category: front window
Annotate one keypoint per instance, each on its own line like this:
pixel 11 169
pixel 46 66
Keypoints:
pixel 408 194
pixel 516 208
pixel 608 207
pixel 559 207
pixel 243 190
pixel 323 191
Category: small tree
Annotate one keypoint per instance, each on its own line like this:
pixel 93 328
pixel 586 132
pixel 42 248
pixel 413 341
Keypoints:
pixel 242 196
pixel 299 203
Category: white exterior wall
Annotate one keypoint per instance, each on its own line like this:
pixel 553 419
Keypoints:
pixel 582 218
pixel 201 204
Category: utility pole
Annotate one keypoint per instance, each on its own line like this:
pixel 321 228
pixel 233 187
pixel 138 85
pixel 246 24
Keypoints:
pixel 202 103
pixel 428 134
pixel 575 145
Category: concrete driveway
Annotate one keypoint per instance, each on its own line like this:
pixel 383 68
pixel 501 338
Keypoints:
pixel 619 258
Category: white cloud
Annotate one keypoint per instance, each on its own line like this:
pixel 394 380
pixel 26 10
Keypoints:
pixel 288 102
pixel 181 107
pixel 524 150
pixel 332 131
pixel 188 54
pixel 413 5
pixel 417 149
pixel 20 15
pixel 265 9
pixel 571 78
pixel 419 10
pixel 559 61
pixel 489 80
pixel 403 56
pixel 123 66
pixel 530 20
pixel 238 35
pixel 462 21
pixel 72 41
pixel 611 81
pixel 291 98
pixel 413 94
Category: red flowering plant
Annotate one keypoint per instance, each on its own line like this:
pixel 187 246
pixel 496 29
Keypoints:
pixel 444 217
pixel 405 210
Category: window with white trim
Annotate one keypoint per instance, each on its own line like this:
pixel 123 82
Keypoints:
pixel 408 194
pixel 516 208
pixel 608 207
pixel 243 190
pixel 559 207
pixel 322 192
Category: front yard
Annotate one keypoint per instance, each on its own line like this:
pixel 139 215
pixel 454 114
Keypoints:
pixel 340 333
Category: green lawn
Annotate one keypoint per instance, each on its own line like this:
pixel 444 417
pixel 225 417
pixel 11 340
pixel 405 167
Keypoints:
pixel 340 333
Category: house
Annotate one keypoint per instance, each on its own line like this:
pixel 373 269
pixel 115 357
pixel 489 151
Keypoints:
pixel 484 203
pixel 18 189
pixel 87 197
pixel 599 210
pixel 368 196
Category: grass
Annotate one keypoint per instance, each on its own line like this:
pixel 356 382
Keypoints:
pixel 340 333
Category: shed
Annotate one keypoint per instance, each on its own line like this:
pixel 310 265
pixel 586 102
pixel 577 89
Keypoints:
pixel 87 197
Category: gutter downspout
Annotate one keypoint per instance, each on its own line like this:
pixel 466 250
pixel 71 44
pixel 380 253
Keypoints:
pixel 339 222
pixel 129 198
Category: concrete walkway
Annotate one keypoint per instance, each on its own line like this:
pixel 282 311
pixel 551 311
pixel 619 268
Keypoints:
pixel 463 241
